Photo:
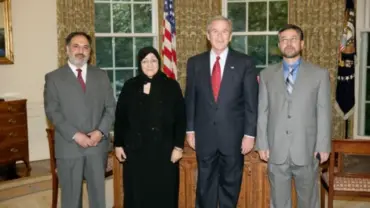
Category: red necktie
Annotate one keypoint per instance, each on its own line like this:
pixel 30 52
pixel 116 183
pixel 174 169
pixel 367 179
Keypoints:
pixel 216 78
pixel 80 79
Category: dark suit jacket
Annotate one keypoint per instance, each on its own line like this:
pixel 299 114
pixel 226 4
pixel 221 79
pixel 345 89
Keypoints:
pixel 222 125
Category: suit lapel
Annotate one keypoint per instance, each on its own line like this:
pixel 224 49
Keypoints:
pixel 298 83
pixel 89 80
pixel 207 75
pixel 227 76
pixel 279 79
pixel 70 78
pixel 300 79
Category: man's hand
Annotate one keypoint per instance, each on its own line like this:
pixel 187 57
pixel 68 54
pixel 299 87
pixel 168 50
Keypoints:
pixel 120 154
pixel 324 156
pixel 83 140
pixel 190 138
pixel 247 144
pixel 176 154
pixel 95 136
pixel 264 155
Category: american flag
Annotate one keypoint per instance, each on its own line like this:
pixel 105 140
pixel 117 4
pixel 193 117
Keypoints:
pixel 343 42
pixel 169 40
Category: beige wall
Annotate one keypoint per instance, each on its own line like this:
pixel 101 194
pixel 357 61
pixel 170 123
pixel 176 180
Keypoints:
pixel 35 53
pixel 1 15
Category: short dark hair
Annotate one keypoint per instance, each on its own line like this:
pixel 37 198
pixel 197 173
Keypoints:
pixel 74 34
pixel 292 27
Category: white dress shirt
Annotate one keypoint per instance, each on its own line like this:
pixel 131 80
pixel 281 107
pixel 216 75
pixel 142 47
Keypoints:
pixel 74 70
pixel 222 60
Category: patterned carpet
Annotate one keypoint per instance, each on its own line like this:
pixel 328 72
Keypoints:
pixel 29 192
pixel 24 186
pixel 35 191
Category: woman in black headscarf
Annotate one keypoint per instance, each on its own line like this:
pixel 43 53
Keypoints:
pixel 149 134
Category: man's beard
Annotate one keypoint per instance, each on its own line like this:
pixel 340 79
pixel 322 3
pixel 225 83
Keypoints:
pixel 78 61
pixel 291 55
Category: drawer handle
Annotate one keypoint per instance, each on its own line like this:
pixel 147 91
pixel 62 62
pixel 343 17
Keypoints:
pixel 12 134
pixel 12 121
pixel 14 150
pixel 11 109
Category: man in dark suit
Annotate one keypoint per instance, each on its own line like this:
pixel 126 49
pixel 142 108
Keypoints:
pixel 221 103
pixel 79 102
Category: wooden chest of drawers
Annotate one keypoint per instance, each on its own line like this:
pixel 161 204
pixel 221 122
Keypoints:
pixel 14 133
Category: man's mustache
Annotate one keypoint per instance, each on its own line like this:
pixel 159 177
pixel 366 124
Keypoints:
pixel 80 54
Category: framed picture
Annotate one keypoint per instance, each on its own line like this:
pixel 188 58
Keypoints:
pixel 6 35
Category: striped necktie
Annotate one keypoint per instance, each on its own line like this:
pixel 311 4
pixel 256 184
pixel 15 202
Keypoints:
pixel 290 81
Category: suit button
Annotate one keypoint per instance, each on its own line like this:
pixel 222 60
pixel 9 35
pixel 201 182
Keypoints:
pixel 289 116
pixel 214 123
pixel 287 132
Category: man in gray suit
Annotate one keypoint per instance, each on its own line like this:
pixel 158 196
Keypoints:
pixel 294 122
pixel 79 102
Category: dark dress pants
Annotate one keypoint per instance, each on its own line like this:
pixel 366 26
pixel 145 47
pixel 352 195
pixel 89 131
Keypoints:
pixel 219 180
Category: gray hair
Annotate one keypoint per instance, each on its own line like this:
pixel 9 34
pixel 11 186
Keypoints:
pixel 219 17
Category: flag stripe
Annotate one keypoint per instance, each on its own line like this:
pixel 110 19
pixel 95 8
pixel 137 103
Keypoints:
pixel 169 40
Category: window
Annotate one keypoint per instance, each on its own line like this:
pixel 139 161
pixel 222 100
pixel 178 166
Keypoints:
pixel 361 127
pixel 255 27
pixel 122 27
pixel 363 95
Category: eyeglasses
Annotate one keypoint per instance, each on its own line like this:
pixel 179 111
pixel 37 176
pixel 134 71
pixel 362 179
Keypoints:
pixel 289 40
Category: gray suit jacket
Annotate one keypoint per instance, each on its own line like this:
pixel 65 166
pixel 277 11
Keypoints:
pixel 295 125
pixel 71 110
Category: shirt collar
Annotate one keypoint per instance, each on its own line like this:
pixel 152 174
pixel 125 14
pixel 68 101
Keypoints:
pixel 74 68
pixel 222 55
pixel 294 65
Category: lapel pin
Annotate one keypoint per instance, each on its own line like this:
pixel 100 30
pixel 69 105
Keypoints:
pixel 231 67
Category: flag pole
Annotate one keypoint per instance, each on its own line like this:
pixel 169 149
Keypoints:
pixel 346 129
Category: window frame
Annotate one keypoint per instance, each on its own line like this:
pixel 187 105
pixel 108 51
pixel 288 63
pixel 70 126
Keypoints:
pixel 360 87
pixel 154 34
pixel 254 33
pixel 362 25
